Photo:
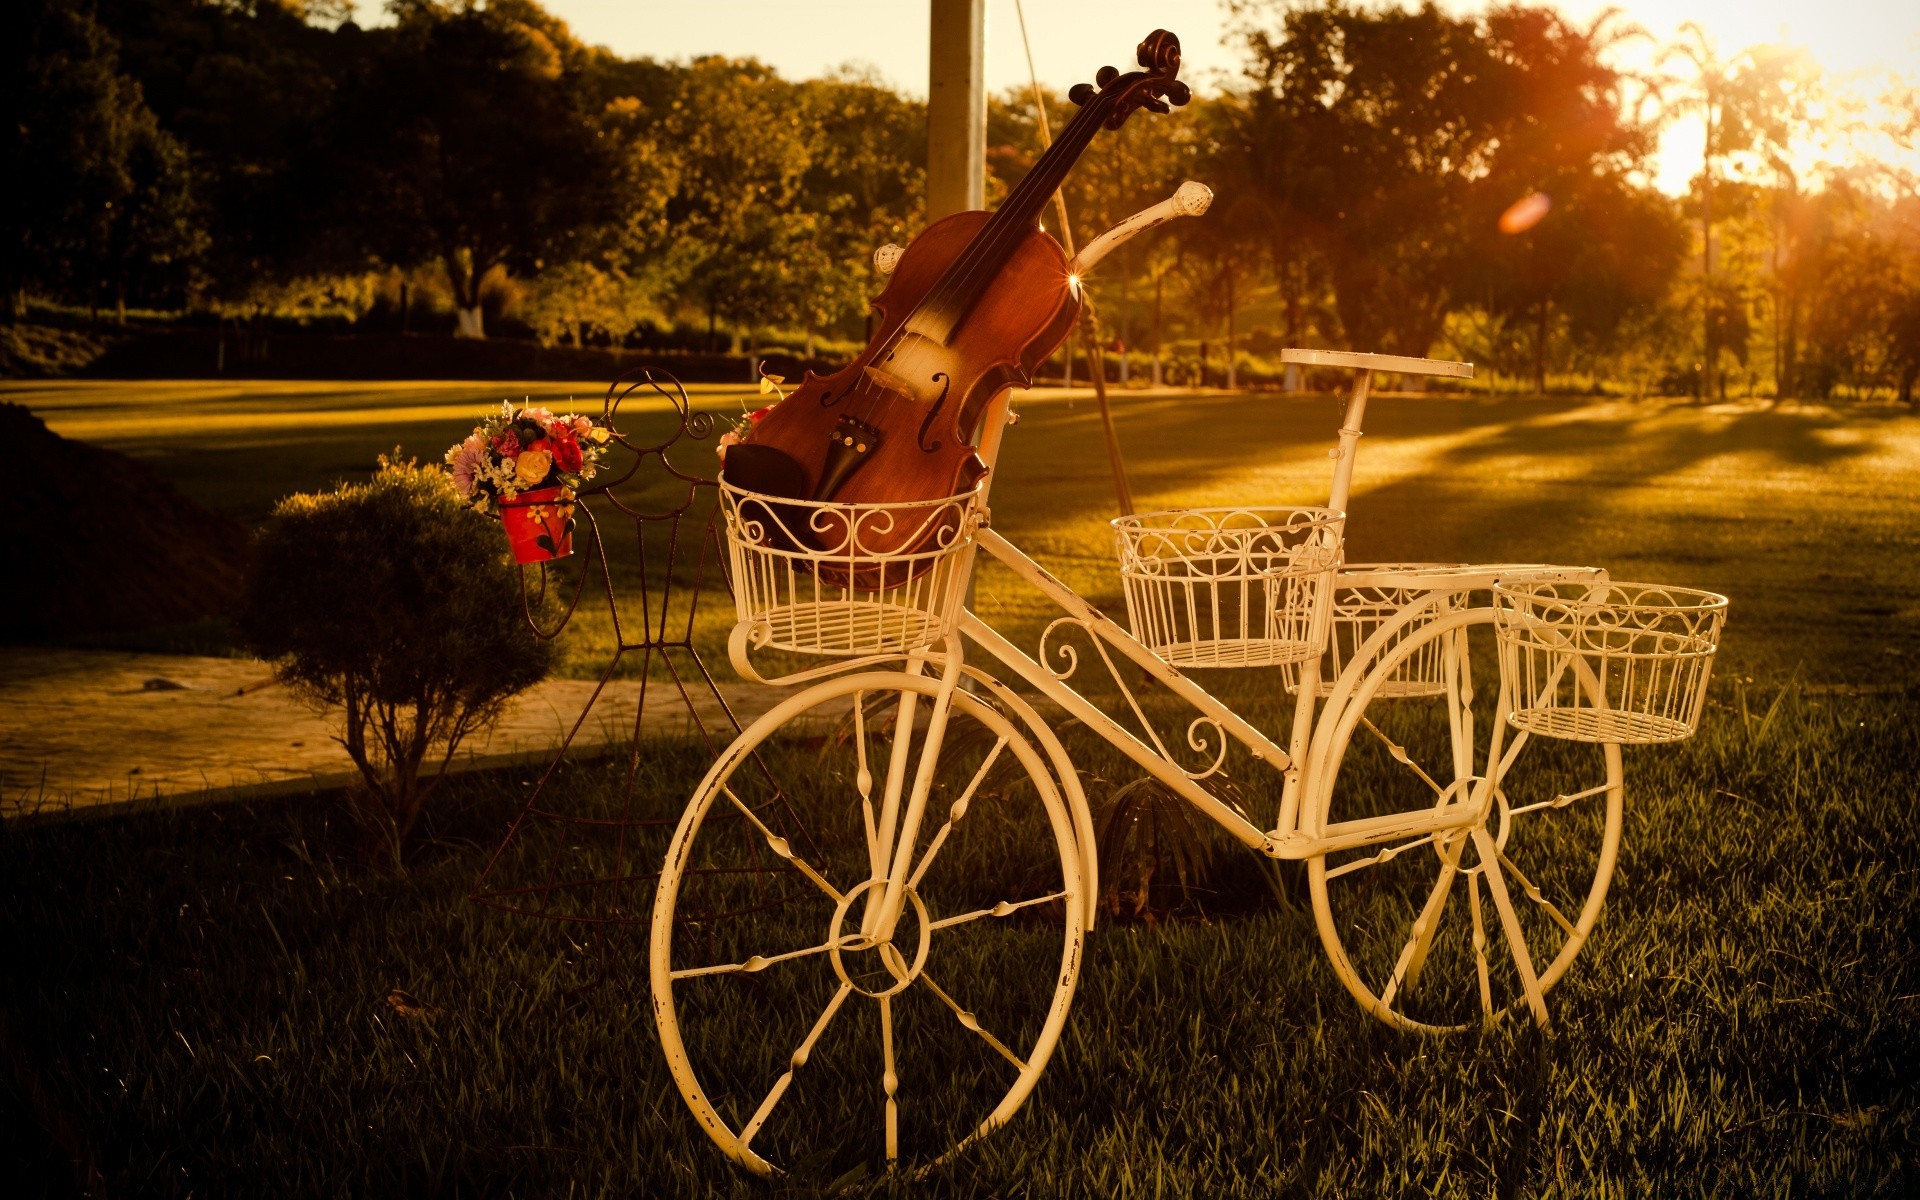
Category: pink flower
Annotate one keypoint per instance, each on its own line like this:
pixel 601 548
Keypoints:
pixel 507 444
pixel 465 461
pixel 582 427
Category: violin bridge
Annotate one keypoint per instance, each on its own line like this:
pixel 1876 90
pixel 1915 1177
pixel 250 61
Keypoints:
pixel 848 448
pixel 888 381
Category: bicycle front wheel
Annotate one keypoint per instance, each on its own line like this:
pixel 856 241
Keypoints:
pixel 799 1023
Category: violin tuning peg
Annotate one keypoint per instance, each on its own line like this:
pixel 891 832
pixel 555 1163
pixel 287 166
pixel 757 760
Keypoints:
pixel 1105 75
pixel 1157 105
pixel 1080 93
pixel 1178 93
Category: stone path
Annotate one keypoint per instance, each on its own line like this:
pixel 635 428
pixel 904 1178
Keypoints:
pixel 88 729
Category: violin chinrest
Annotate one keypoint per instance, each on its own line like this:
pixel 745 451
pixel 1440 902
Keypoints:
pixel 767 470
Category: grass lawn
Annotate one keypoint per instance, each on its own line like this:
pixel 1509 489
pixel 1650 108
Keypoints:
pixel 203 1009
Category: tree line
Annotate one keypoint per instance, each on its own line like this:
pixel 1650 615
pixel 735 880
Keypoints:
pixel 1410 181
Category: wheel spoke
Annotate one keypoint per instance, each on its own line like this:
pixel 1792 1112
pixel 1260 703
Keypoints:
pixel 1560 801
pixel 889 1079
pixel 955 813
pixel 1480 947
pixel 759 962
pixel 969 1021
pixel 1429 920
pixel 1510 923
pixel 798 1060
pixel 1005 908
pixel 779 846
pixel 1520 737
pixel 1413 955
pixel 1454 655
pixel 1383 855
pixel 1401 756
pixel 863 779
pixel 1532 893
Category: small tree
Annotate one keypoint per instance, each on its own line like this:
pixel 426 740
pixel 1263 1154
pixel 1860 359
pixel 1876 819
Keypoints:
pixel 391 604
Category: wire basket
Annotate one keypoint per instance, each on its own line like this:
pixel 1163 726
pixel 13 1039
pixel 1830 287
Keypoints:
pixel 1606 662
pixel 819 577
pixel 1359 610
pixel 1230 587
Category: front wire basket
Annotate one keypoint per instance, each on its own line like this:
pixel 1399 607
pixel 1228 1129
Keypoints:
pixel 1230 587
pixel 1606 662
pixel 818 577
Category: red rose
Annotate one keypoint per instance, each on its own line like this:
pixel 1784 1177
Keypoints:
pixel 759 414
pixel 566 452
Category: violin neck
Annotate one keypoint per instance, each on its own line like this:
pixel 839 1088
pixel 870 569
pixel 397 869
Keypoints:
pixel 955 293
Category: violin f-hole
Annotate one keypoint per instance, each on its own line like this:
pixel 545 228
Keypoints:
pixel 946 383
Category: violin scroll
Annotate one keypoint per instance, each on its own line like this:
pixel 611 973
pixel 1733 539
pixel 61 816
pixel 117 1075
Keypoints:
pixel 1153 87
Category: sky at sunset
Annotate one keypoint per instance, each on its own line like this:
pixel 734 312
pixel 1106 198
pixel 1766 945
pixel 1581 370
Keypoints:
pixel 1861 44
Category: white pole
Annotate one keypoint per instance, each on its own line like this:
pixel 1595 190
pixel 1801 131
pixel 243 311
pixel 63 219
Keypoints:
pixel 957 108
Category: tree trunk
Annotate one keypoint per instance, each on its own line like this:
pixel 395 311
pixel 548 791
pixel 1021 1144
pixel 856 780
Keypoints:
pixel 1233 377
pixel 1791 372
pixel 1710 352
pixel 1540 349
pixel 1159 293
pixel 464 272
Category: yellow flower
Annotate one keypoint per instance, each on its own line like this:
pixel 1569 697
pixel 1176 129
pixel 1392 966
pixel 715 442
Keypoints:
pixel 597 434
pixel 532 467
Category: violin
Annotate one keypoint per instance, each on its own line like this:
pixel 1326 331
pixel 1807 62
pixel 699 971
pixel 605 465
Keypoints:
pixel 976 303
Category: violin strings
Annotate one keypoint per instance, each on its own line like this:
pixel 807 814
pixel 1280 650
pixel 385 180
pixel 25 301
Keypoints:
pixel 987 246
pixel 995 241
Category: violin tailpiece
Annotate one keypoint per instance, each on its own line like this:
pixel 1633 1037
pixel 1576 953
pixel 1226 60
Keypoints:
pixel 848 447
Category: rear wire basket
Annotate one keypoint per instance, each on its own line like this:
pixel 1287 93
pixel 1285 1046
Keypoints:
pixel 1359 611
pixel 1606 662
pixel 1230 587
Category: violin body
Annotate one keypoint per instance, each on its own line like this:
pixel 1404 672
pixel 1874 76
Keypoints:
pixel 977 302
pixel 910 403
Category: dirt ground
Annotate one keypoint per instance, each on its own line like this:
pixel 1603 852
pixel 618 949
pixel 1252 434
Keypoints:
pixel 83 729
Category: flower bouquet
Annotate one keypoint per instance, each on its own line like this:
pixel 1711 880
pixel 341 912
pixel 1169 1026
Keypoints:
pixel 524 467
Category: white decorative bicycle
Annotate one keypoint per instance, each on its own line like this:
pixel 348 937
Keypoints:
pixel 911 973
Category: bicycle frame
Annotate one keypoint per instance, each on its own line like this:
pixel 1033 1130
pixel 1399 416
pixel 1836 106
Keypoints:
pixel 1306 762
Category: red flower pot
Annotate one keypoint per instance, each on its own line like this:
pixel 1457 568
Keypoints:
pixel 539 524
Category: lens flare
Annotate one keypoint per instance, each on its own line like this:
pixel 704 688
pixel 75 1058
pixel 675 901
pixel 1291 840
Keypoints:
pixel 1523 214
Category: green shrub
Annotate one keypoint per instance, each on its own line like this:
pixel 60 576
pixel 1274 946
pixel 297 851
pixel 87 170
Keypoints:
pixel 392 605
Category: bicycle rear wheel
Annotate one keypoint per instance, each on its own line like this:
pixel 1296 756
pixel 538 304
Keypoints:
pixel 1448 930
